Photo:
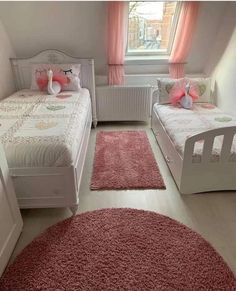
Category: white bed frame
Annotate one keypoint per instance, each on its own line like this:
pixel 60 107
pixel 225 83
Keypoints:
pixel 204 176
pixel 43 187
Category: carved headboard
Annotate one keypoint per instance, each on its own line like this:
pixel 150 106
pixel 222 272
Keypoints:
pixel 22 71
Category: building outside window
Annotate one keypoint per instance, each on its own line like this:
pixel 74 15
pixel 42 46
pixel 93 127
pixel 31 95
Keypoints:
pixel 151 27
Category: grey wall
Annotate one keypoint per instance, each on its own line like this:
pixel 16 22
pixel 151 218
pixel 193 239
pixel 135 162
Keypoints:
pixel 222 64
pixel 6 81
pixel 77 28
pixel 208 25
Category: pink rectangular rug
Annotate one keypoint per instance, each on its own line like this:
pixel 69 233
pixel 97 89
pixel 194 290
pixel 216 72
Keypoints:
pixel 124 160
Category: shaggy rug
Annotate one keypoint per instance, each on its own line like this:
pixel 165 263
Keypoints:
pixel 124 160
pixel 118 249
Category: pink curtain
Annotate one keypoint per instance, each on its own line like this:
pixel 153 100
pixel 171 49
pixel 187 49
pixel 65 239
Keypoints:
pixel 183 38
pixel 116 42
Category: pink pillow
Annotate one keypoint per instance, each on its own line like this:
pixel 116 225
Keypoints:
pixel 68 72
pixel 177 92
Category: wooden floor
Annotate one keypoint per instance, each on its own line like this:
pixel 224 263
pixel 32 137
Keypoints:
pixel 213 215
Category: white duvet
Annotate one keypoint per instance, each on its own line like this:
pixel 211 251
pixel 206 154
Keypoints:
pixel 39 130
pixel 181 124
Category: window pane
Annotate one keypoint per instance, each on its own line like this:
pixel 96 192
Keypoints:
pixel 150 25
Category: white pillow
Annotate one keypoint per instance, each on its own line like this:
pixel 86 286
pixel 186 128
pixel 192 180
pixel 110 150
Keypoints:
pixel 71 71
pixel 204 87
pixel 166 84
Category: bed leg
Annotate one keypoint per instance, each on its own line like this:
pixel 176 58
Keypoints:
pixel 95 122
pixel 74 209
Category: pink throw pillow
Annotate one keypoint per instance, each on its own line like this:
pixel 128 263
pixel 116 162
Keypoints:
pixel 69 73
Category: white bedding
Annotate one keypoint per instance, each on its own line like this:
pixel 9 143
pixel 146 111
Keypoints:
pixel 181 124
pixel 39 130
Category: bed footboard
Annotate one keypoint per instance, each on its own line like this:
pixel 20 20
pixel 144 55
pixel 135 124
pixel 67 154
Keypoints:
pixel 207 174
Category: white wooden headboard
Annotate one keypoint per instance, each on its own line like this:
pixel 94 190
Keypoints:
pixel 22 71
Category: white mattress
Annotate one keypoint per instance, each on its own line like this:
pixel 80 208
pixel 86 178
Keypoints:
pixel 181 124
pixel 39 130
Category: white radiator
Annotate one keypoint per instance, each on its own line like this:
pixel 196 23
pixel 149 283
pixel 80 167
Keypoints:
pixel 124 103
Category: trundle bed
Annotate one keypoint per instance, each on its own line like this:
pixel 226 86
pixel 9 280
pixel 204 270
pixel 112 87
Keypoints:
pixel 46 136
pixel 199 146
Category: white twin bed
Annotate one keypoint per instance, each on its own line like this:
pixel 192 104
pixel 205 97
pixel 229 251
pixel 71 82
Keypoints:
pixel 199 146
pixel 45 137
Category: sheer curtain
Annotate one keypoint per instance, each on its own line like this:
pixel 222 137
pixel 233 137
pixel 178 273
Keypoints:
pixel 116 41
pixel 183 38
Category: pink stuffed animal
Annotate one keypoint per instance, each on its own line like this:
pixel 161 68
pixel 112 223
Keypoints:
pixel 51 82
pixel 184 93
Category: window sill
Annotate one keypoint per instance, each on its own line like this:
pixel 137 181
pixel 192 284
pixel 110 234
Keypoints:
pixel 146 60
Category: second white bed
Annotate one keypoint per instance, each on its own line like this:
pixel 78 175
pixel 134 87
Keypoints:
pixel 199 146
pixel 181 124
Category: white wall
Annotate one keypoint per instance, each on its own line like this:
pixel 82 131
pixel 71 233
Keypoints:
pixel 6 80
pixel 79 28
pixel 224 71
pixel 209 21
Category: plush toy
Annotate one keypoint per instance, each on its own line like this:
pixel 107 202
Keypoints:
pixel 184 93
pixel 186 101
pixel 53 83
pixel 54 87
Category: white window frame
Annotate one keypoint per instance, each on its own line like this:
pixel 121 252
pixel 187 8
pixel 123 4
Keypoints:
pixel 162 52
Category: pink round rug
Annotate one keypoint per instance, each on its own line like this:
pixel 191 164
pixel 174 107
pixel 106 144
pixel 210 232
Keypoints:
pixel 118 249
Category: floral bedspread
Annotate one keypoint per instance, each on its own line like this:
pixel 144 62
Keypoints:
pixel 39 130
pixel 181 124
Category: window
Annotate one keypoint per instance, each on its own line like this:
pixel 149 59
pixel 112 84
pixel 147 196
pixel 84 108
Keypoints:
pixel 151 27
